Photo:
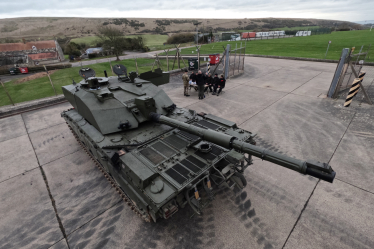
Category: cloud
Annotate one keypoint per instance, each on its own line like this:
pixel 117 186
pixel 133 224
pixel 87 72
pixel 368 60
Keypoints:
pixel 333 9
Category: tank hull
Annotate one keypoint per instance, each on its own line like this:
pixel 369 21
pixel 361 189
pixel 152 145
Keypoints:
pixel 191 169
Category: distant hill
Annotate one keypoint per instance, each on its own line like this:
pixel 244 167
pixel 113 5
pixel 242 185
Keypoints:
pixel 48 27
pixel 366 22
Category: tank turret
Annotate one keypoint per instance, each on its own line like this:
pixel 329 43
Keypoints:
pixel 159 157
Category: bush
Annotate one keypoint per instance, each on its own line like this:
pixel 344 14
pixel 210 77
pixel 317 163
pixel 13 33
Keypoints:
pixel 136 43
pixel 159 30
pixel 180 38
pixel 72 49
pixel 163 22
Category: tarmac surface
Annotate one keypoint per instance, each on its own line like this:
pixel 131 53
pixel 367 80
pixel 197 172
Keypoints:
pixel 128 55
pixel 280 100
pixel 8 77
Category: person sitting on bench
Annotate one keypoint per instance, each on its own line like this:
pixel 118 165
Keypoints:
pixel 220 85
pixel 215 81
pixel 209 83
pixel 193 81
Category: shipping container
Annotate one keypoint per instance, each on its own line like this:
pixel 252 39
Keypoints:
pixel 248 35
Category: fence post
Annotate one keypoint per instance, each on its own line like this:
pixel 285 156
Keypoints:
pixel 240 50
pixel 136 65
pixel 328 45
pixel 227 61
pixel 111 68
pixel 198 58
pixel 167 58
pixel 7 93
pixel 243 59
pixel 49 77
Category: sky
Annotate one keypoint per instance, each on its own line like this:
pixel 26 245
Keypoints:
pixel 354 10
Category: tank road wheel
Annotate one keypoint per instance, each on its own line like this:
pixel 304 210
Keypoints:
pixel 242 178
pixel 239 180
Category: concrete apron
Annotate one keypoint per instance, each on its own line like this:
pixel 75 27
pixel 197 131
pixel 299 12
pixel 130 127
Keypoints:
pixel 277 208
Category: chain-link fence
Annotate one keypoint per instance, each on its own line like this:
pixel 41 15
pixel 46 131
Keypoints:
pixel 231 62
pixel 236 62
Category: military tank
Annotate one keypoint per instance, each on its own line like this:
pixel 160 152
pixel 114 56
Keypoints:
pixel 159 157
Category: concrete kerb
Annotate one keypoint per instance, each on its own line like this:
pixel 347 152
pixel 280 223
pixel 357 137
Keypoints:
pixel 9 110
pixel 292 58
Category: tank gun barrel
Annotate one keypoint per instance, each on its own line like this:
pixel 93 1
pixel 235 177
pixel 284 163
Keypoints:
pixel 319 170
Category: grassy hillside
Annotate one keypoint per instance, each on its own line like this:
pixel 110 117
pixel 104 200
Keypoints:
pixel 35 28
pixel 150 40
pixel 307 46
pixel 154 42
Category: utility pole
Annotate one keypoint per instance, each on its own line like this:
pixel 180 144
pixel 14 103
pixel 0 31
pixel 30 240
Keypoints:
pixel 197 32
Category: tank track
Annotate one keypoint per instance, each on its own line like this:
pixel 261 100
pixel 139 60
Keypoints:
pixel 126 199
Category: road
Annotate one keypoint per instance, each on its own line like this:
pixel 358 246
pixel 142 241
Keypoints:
pixel 8 77
pixel 128 55
pixel 280 100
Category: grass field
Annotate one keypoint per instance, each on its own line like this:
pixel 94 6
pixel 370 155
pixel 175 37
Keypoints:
pixel 41 87
pixel 89 40
pixel 307 47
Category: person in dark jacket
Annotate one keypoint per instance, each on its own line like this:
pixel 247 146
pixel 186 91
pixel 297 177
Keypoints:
pixel 215 83
pixel 209 83
pixel 200 82
pixel 193 80
pixel 220 85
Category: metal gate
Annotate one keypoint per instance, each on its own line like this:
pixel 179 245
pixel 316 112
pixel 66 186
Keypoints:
pixel 231 63
pixel 236 62
pixel 351 64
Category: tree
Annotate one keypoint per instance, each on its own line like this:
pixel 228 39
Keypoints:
pixel 72 49
pixel 113 39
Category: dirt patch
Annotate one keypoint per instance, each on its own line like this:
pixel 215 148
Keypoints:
pixel 33 77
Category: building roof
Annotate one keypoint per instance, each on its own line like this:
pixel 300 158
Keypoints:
pixel 9 47
pixel 94 50
pixel 49 55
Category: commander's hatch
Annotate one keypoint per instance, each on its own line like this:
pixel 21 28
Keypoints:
pixel 121 72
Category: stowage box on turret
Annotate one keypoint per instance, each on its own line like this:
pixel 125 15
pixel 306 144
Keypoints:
pixel 159 157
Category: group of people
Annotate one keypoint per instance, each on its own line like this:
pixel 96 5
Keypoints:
pixel 202 83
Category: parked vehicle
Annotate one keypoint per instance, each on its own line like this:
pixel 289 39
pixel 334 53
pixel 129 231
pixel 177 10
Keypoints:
pixel 16 70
